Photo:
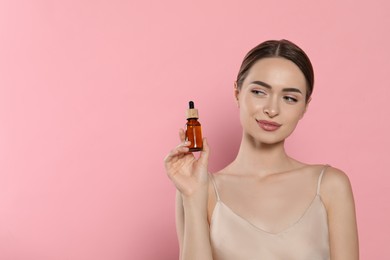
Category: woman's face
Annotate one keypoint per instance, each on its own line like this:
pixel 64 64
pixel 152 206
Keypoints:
pixel 272 100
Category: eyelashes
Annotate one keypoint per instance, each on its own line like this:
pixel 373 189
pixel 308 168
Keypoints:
pixel 290 99
pixel 261 93
pixel 258 92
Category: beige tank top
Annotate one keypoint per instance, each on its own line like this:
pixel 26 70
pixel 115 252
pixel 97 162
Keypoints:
pixel 235 238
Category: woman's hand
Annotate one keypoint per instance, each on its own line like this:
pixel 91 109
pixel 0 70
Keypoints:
pixel 188 173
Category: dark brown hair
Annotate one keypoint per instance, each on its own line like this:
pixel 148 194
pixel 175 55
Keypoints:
pixel 284 49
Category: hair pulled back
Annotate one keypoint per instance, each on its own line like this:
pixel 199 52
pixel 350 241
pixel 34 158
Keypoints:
pixel 284 49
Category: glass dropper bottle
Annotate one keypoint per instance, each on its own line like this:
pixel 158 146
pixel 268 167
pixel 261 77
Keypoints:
pixel 193 129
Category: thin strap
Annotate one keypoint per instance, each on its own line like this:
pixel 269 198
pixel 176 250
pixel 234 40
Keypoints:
pixel 215 186
pixel 320 178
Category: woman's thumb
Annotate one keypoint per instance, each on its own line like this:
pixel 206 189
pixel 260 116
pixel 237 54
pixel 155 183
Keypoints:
pixel 204 156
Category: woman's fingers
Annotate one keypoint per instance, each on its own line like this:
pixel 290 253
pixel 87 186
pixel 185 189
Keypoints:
pixel 187 171
pixel 181 149
pixel 182 135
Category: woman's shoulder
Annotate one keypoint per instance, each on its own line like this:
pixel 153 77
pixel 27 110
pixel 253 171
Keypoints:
pixel 335 179
pixel 333 175
pixel 335 185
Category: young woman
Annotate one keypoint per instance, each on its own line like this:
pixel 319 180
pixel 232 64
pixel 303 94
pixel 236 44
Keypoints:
pixel 264 204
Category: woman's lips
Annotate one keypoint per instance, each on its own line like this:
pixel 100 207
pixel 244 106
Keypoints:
pixel 268 125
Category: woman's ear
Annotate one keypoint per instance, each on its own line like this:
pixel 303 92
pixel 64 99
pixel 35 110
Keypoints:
pixel 306 107
pixel 236 92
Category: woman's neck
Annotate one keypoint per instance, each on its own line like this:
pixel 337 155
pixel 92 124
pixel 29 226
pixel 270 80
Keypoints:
pixel 262 159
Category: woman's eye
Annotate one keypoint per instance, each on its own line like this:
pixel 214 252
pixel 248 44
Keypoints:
pixel 290 99
pixel 258 92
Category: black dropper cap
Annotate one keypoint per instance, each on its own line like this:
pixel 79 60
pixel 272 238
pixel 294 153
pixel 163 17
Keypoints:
pixel 192 112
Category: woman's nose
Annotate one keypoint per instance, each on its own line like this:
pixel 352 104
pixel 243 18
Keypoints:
pixel 271 109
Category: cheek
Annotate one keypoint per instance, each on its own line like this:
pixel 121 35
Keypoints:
pixel 251 104
pixel 295 115
pixel 247 110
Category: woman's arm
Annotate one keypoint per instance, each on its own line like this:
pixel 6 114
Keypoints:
pixel 197 229
pixel 196 233
pixel 338 198
pixel 190 176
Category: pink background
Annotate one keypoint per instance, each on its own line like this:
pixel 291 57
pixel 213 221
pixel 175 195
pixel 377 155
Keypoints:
pixel 92 94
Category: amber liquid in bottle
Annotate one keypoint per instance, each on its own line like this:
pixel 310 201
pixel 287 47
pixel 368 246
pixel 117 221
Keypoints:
pixel 194 130
pixel 194 135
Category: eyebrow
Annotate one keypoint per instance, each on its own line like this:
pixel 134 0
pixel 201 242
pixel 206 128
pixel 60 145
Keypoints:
pixel 261 83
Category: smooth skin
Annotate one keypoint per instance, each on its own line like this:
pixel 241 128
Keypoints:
pixel 274 90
